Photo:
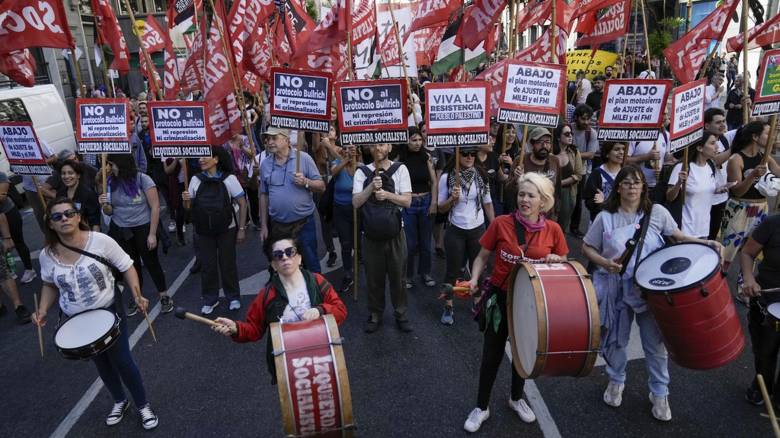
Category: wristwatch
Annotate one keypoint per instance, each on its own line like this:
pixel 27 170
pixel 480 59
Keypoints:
pixel 307 184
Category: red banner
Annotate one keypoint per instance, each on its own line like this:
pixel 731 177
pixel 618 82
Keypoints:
pixel 579 8
pixel 192 75
pixel 224 119
pixel 477 22
pixel 218 84
pixel 686 55
pixel 610 26
pixel 433 13
pixel 330 31
pixel 246 19
pixel 363 22
pixel 763 35
pixel 110 33
pixel 41 23
pixel 492 39
pixel 298 26
pixel 171 75
pixel 258 58
pixel 426 44
pixel 150 74
pixel 538 12
pixel 154 38
pixel 388 50
pixel 19 65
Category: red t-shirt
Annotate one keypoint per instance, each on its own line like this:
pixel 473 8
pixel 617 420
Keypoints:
pixel 501 238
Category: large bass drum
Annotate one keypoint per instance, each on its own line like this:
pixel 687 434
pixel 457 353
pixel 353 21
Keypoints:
pixel 689 297
pixel 553 320
pixel 312 378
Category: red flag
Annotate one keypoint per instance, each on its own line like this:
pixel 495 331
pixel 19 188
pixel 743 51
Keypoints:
pixel 109 32
pixel 19 65
pixel 282 48
pixel 363 22
pixel 763 35
pixel 492 39
pixel 154 37
pixel 327 33
pixel 244 19
pixel 258 58
pixel 388 49
pixel 611 26
pixel 298 26
pixel 181 10
pixel 537 12
pixel 192 75
pixel 224 119
pixel 579 8
pixel 433 13
pixel 150 73
pixel 687 54
pixel 426 44
pixel 172 75
pixel 587 23
pixel 40 23
pixel 539 51
pixel 477 22
pixel 250 82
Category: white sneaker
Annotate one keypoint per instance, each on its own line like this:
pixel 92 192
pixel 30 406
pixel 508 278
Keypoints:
pixel 28 276
pixel 171 226
pixel 117 413
pixel 613 396
pixel 207 309
pixel 661 410
pixel 148 418
pixel 523 410
pixel 476 417
pixel 235 305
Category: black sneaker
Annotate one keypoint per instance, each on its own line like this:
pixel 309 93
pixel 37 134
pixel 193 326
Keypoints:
pixel 166 304
pixel 753 396
pixel 404 325
pixel 372 325
pixel 132 309
pixel 148 418
pixel 22 315
pixel 117 413
pixel 331 259
pixel 346 284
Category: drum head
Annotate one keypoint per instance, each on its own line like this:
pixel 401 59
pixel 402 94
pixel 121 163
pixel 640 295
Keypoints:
pixel 525 321
pixel 774 310
pixel 677 267
pixel 84 329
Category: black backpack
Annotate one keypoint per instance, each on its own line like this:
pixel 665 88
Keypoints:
pixel 381 219
pixel 212 208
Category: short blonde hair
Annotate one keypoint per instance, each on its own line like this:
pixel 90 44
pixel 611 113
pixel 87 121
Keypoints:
pixel 543 185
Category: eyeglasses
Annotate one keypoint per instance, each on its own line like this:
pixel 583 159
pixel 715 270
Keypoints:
pixel 57 217
pixel 567 134
pixel 630 183
pixel 290 252
pixel 544 142
pixel 470 154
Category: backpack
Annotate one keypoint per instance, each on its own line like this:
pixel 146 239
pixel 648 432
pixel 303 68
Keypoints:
pixel 381 219
pixel 212 207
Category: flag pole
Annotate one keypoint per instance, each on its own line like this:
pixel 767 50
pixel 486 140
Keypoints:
pixel 151 69
pixel 656 164
pixel 403 63
pixel 86 50
pixel 355 237
pixel 746 79
pixel 685 152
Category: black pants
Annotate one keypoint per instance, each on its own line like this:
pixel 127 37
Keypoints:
pixel 342 222
pixel 218 260
pixel 716 216
pixel 17 235
pixel 765 338
pixel 492 355
pixel 133 241
pixel 385 262
pixel 254 205
pixel 461 245
pixel 576 214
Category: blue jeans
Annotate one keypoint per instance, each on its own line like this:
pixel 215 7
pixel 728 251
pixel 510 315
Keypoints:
pixel 656 359
pixel 116 366
pixel 308 238
pixel 418 226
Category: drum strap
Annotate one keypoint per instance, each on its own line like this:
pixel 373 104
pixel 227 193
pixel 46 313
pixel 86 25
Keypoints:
pixel 114 271
pixel 641 240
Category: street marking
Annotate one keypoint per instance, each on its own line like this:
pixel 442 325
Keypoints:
pixel 543 416
pixel 78 410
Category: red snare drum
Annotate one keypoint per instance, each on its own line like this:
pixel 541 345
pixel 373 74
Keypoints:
pixel 553 320
pixel 312 378
pixel 690 300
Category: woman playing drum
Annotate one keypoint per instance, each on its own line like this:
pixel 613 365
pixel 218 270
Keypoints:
pixel 543 240
pixel 292 294
pixel 84 283
pixel 619 299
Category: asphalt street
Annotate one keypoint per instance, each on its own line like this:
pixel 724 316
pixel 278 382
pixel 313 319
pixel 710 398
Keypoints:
pixel 420 384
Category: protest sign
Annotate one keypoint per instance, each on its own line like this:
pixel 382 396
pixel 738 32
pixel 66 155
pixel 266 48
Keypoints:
pixel 372 112
pixel 768 90
pixel 103 126
pixel 22 149
pixel 457 114
pixel 632 109
pixel 533 93
pixel 686 124
pixel 179 129
pixel 300 99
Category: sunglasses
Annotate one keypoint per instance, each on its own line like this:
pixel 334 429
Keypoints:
pixel 471 154
pixel 278 255
pixel 567 134
pixel 57 217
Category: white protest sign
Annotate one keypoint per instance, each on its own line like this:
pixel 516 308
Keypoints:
pixel 457 114
pixel 22 149
pixel 103 126
pixel 532 93
pixel 179 129
pixel 632 109
pixel 372 112
pixel 687 115
pixel 300 100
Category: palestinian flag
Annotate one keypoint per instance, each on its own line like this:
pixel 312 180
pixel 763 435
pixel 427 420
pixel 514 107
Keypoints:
pixel 450 56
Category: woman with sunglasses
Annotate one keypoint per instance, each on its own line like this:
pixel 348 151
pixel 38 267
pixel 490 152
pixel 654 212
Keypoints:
pixel 134 220
pixel 81 194
pixel 79 282
pixel 619 298
pixel 468 202
pixel 572 171
pixel 292 294
pixel 211 196
pixel 418 218
pixel 542 239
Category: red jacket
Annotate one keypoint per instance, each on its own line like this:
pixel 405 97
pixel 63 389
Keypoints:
pixel 256 324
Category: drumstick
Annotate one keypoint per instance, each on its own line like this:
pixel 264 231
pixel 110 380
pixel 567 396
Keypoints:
pixel 770 291
pixel 40 331
pixel 182 313
pixel 768 403
pixel 148 321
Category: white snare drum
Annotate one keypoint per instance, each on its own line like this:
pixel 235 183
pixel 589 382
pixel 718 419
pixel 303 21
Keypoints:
pixel 87 334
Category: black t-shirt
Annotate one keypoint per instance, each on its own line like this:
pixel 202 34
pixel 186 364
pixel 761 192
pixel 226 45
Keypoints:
pixel 417 164
pixel 767 234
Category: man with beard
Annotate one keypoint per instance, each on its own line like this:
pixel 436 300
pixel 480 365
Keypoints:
pixel 715 122
pixel 540 160
pixel 609 72
pixel 586 141
pixel 594 98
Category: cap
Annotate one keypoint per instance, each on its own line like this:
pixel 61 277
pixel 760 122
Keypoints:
pixel 277 131
pixel 538 132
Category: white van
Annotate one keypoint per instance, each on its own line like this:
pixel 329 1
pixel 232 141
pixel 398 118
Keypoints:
pixel 44 107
